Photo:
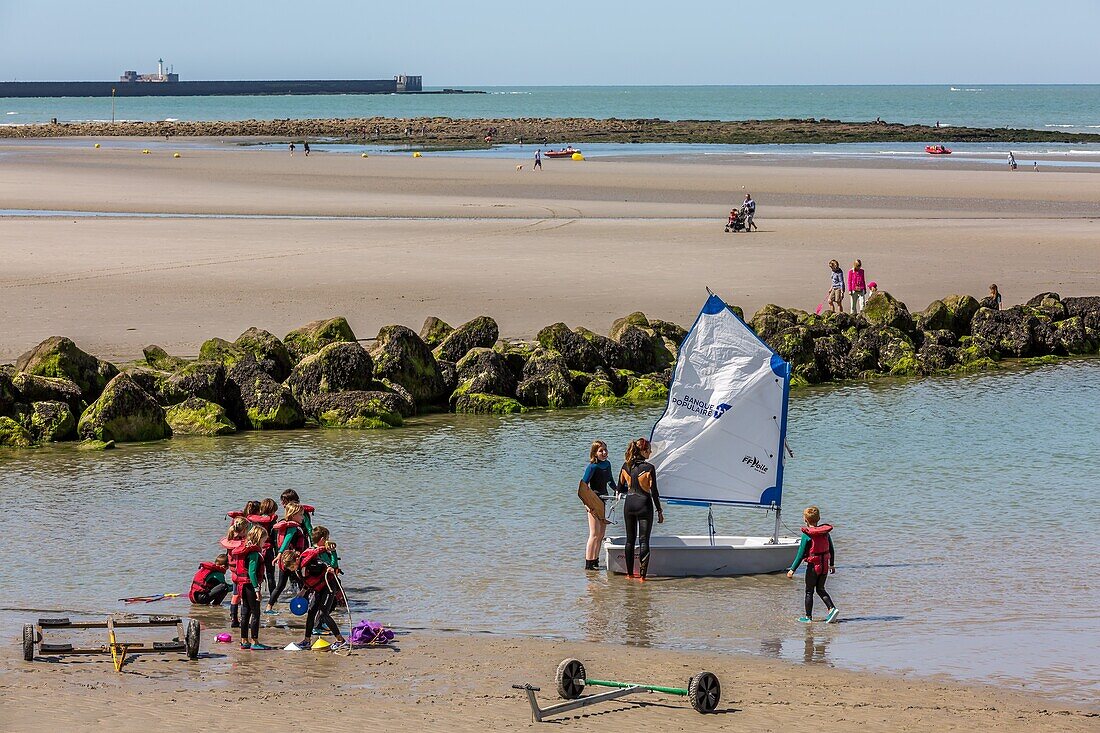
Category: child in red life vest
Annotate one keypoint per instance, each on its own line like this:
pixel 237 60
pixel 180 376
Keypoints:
pixel 290 534
pixel 266 516
pixel 250 507
pixel 232 540
pixel 208 587
pixel 319 579
pixel 290 496
pixel 248 573
pixel 817 549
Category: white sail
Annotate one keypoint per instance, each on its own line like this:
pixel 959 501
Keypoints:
pixel 720 440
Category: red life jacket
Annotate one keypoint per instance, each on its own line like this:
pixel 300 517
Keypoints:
pixel 267 521
pixel 229 544
pixel 314 581
pixel 234 513
pixel 238 562
pixel 299 542
pixel 818 555
pixel 201 581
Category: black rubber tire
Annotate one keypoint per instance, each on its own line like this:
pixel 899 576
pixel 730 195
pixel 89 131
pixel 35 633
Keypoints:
pixel 570 678
pixel 28 642
pixel 705 692
pixel 191 639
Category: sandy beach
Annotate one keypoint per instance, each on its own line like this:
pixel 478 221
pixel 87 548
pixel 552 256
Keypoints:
pixel 395 239
pixel 445 682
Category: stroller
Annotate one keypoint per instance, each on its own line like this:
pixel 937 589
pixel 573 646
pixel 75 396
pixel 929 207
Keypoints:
pixel 736 222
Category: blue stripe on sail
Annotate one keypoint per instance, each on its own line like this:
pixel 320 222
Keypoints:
pixel 714 305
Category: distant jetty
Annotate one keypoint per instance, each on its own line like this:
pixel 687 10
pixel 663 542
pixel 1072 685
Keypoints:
pixel 167 84
pixel 445 132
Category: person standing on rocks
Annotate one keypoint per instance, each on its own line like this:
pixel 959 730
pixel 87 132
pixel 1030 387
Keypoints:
pixel 836 287
pixel 857 286
pixel 994 299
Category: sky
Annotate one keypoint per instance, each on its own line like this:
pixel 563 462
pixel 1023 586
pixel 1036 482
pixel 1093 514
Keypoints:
pixel 561 43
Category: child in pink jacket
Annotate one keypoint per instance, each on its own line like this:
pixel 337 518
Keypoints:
pixel 857 286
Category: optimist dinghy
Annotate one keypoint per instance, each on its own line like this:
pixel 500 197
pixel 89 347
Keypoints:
pixel 720 442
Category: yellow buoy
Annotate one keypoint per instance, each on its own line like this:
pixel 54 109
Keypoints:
pixel 365 155
pixel 145 152
pixel 97 145
pixel 577 156
pixel 417 155
pixel 175 155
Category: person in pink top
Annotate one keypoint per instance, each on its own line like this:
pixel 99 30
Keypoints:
pixel 857 286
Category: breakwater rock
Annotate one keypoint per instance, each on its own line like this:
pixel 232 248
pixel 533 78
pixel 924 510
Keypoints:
pixel 447 133
pixel 320 375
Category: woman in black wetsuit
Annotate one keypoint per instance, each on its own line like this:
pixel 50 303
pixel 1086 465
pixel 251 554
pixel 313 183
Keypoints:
pixel 638 478
pixel 597 476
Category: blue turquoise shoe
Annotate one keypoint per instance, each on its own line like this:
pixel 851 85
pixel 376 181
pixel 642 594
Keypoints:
pixel 830 618
pixel 804 619
pixel 258 647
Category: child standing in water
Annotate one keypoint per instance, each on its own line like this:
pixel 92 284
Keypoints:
pixel 232 540
pixel 817 549
pixel 597 476
pixel 248 571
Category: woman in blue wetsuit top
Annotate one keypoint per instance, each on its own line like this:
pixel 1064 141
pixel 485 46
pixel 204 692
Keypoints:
pixel 597 476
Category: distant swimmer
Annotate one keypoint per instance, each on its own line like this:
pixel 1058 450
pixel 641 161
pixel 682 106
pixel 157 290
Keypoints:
pixel 816 548
pixel 593 492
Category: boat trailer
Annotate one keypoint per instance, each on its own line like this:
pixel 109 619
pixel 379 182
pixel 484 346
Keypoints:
pixel 703 690
pixel 186 641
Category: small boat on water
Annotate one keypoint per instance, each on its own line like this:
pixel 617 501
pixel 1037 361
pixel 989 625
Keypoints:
pixel 937 150
pixel 563 153
pixel 720 442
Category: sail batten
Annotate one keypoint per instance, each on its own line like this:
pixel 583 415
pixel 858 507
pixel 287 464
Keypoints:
pixel 720 439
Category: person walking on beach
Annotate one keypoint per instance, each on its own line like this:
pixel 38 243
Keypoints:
pixel 750 211
pixel 836 287
pixel 1011 161
pixel 638 479
pixel 538 160
pixel 597 477
pixel 305 147
pixel 292 150
pixel 816 548
pixel 857 286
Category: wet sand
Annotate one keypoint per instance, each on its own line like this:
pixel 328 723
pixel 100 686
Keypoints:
pixel 438 682
pixel 460 237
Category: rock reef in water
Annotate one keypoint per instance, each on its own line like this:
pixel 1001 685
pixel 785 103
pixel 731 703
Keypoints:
pixel 57 392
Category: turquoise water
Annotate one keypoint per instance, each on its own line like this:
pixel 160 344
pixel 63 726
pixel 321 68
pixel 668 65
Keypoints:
pixel 963 512
pixel 1071 108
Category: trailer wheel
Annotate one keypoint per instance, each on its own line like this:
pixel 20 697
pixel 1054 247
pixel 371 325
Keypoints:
pixel 704 691
pixel 28 642
pixel 570 678
pixel 191 639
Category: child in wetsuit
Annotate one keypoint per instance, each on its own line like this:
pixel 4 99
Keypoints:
pixel 290 535
pixel 318 578
pixel 234 536
pixel 248 572
pixel 208 587
pixel 816 549
pixel 597 476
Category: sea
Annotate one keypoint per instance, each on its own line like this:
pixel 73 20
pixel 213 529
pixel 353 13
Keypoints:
pixel 1068 108
pixel 965 542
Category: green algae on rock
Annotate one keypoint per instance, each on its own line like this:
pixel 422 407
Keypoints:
pixel 124 413
pixel 480 331
pixel 58 356
pixel 310 338
pixel 269 352
pixel 356 410
pixel 14 435
pixel 259 401
pixel 196 416
pixel 434 331
pixel 50 421
pixel 336 367
pixel 402 357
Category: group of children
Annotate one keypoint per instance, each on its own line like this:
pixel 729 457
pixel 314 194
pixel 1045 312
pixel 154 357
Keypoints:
pixel 857 286
pixel 257 544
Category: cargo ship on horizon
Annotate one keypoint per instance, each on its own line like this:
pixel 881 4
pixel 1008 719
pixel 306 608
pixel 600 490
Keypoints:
pixel 167 84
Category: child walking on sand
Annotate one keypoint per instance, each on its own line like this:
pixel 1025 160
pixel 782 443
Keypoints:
pixel 836 287
pixel 817 550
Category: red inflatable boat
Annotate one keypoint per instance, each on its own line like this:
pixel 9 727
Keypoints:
pixel 936 150
pixel 565 153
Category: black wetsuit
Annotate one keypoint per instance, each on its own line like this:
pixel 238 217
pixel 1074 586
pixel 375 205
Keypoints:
pixel 639 481
pixel 321 605
pixel 212 596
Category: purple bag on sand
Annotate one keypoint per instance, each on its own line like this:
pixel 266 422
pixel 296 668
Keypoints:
pixel 370 633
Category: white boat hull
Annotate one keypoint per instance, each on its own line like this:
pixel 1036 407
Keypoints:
pixel 687 556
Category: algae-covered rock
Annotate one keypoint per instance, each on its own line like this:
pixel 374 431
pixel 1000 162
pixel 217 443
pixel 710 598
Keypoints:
pixel 935 317
pixel 962 309
pixel 258 401
pixel 897 356
pixel 269 352
pixel 8 393
pixel 943 337
pixel 449 371
pixel 1049 304
pixel 50 421
pixel 831 356
pixel 486 371
pixel 546 382
pixel 933 358
pixel 827 323
pixel 794 344
pixel 14 435
pixel 481 331
pixel 434 331
pixel 202 379
pixel 95 445
pixel 124 412
pixel 1070 334
pixel 974 349
pixel 668 330
pixel 644 350
pixel 579 353
pixel 158 358
pixel 221 351
pixel 153 381
pixel 33 388
pixel 601 393
pixel 196 416
pixel 1087 308
pixel 58 356
pixel 1016 331
pixel 337 367
pixel 479 403
pixel 356 410
pixel 771 320
pixel 310 338
pixel 646 389
pixel 883 309
pixel 610 352
pixel 402 357
pixel 406 405
pixel 619 325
